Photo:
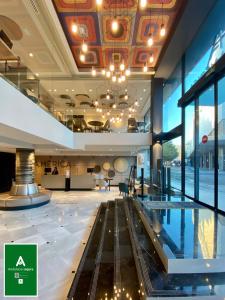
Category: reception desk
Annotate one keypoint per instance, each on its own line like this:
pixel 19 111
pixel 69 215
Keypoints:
pixel 77 182
pixel 53 181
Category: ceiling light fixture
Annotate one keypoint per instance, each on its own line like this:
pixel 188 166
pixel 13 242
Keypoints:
pixel 115 25
pixel 74 28
pixel 31 54
pixel 127 72
pixel 123 77
pixel 151 58
pixel 84 47
pixel 112 67
pixel 143 4
pixel 107 96
pixel 162 30
pixel 93 72
pixel 145 68
pixel 103 72
pixel 150 41
pixel 126 97
pixel 82 57
pixel 114 78
pixel 99 2
pixel 136 103
pixel 96 103
pixel 122 66
pixel 114 106
pixel 108 74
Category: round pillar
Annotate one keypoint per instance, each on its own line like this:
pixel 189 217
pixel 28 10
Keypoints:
pixel 25 168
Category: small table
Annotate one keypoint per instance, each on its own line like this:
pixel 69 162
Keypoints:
pixel 109 181
pixel 96 124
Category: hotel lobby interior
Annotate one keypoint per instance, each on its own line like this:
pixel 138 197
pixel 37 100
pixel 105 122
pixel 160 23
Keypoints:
pixel 112 147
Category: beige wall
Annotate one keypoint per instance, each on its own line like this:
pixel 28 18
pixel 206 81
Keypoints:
pixel 78 165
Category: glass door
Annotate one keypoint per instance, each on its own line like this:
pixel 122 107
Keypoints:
pixel 205 153
pixel 221 144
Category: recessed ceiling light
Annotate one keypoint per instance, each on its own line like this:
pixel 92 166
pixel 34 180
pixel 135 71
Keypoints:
pixel 37 74
pixel 31 54
pixel 90 90
pixel 50 90
pixel 141 98
pixel 72 90
pixel 67 90
pixel 144 90
pixel 55 90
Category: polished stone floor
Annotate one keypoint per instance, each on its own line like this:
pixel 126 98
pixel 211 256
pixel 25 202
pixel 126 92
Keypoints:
pixel 61 230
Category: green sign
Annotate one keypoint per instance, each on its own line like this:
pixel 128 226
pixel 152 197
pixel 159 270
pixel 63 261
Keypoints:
pixel 20 270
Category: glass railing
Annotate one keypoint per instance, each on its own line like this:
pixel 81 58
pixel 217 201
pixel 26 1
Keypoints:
pixel 66 109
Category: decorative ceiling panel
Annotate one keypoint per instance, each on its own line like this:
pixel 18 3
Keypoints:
pixel 129 43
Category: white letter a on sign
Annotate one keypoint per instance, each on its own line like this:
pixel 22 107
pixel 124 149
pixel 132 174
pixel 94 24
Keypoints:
pixel 20 262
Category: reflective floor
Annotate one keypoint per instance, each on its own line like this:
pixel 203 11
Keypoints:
pixel 189 233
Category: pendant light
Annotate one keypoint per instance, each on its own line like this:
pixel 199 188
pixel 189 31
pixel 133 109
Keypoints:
pixel 143 4
pixel 112 67
pixel 127 72
pixel 162 29
pixel 150 41
pixel 84 47
pixel 151 58
pixel 99 3
pixel 114 25
pixel 145 68
pixel 93 72
pixel 74 28
pixel 122 66
pixel 108 74
pixel 82 57
pixel 114 78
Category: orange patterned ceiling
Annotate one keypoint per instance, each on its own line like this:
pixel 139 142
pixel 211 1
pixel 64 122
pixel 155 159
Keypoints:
pixel 129 43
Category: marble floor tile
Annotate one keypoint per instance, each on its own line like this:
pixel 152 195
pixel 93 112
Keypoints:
pixel 61 229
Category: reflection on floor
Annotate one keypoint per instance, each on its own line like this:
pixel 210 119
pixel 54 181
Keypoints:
pixel 185 255
pixel 61 230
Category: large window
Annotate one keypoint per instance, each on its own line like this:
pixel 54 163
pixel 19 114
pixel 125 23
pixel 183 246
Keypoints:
pixel 207 47
pixel 221 144
pixel 206 146
pixel 143 158
pixel 172 92
pixel 189 149
pixel 172 159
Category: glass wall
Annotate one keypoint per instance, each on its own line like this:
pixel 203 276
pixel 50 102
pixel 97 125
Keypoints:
pixel 206 146
pixel 189 149
pixel 147 121
pixel 172 92
pixel 221 144
pixel 172 159
pixel 207 47
pixel 143 161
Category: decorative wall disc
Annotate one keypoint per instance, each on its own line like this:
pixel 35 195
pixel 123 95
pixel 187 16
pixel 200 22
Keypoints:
pixel 111 173
pixel 97 169
pixel 106 166
pixel 121 164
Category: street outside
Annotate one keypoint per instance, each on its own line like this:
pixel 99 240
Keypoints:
pixel 206 184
